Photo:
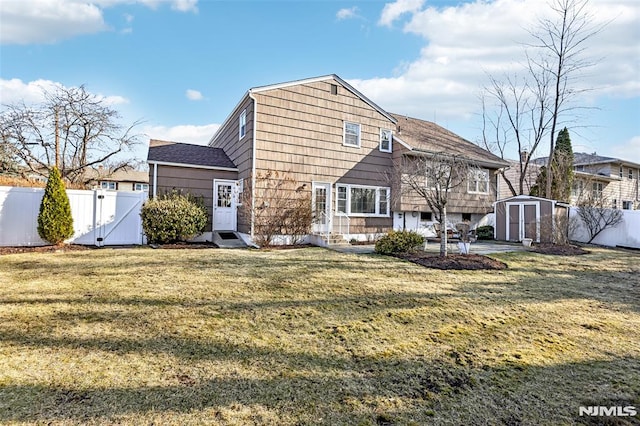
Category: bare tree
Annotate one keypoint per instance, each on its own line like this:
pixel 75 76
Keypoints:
pixel 594 208
pixel 433 177
pixel 282 207
pixel 529 108
pixel 596 218
pixel 72 129
pixel 561 43
pixel 519 115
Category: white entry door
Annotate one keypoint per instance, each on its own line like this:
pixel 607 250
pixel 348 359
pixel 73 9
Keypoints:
pixel 321 206
pixel 225 205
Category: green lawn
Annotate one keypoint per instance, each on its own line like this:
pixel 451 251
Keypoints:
pixel 310 336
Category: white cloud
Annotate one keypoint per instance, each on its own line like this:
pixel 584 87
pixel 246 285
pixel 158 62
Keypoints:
pixel 15 91
pixel 347 13
pixel 185 5
pixel 49 21
pixel 393 11
pixel 629 151
pixel 193 95
pixel 198 135
pixel 465 42
pixel 40 21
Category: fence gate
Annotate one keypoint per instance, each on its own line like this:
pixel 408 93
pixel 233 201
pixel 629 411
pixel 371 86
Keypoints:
pixel 100 218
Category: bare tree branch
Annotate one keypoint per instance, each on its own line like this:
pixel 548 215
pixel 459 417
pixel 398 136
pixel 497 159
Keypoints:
pixel 88 133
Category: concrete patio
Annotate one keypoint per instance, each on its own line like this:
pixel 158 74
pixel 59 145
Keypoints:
pixel 479 247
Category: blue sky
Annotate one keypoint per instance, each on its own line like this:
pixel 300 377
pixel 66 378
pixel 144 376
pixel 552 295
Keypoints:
pixel 182 65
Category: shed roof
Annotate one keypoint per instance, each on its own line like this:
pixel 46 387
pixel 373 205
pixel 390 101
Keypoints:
pixel 188 154
pixel 421 135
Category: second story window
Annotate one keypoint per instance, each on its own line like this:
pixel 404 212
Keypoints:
pixel 242 124
pixel 596 190
pixel 351 134
pixel 385 140
pixel 630 173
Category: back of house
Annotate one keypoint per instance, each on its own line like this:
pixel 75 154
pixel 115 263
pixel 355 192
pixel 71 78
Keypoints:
pixel 321 140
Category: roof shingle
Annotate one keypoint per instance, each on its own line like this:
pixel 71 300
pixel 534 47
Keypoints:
pixel 427 136
pixel 188 154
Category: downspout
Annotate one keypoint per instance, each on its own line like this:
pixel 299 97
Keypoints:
pixel 253 162
pixel 155 180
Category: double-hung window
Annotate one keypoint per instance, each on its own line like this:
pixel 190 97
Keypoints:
pixel 386 137
pixel 596 190
pixel 351 134
pixel 109 185
pixel 359 200
pixel 141 187
pixel 242 124
pixel 478 182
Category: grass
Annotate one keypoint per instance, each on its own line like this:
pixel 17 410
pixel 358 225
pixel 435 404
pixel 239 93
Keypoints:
pixel 310 336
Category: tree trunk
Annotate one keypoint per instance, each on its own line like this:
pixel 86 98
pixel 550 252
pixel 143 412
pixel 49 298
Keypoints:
pixel 443 232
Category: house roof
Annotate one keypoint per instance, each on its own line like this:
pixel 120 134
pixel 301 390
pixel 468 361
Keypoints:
pixel 585 159
pixel 166 152
pixel 420 135
pixel 117 176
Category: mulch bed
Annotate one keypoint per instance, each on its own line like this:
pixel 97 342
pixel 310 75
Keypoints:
pixel 44 249
pixel 559 250
pixel 454 261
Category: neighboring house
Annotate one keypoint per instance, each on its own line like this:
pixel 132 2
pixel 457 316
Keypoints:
pixel 614 180
pixel 120 180
pixel 512 173
pixel 336 143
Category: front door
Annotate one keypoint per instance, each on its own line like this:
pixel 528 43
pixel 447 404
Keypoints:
pixel 321 207
pixel 224 205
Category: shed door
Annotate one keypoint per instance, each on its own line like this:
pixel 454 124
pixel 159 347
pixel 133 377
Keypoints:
pixel 530 222
pixel 513 221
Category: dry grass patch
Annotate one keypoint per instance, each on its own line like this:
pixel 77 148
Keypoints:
pixel 311 336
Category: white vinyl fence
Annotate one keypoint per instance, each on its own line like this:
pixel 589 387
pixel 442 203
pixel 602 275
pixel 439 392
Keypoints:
pixel 625 234
pixel 99 217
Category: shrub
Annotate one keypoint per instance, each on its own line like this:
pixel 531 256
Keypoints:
pixel 399 242
pixel 55 223
pixel 485 232
pixel 173 217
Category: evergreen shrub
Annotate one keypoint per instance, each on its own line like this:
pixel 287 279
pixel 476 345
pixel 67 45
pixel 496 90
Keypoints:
pixel 399 242
pixel 55 223
pixel 173 217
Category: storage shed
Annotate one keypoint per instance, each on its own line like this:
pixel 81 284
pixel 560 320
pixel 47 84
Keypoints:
pixel 526 216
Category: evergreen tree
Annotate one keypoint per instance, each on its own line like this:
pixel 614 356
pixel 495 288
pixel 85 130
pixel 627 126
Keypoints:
pixel 562 164
pixel 55 223
pixel 562 171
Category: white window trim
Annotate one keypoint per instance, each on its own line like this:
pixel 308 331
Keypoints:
pixel 488 181
pixel 382 131
pixel 348 201
pixel 107 185
pixel 344 134
pixel 242 124
pixel 142 186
